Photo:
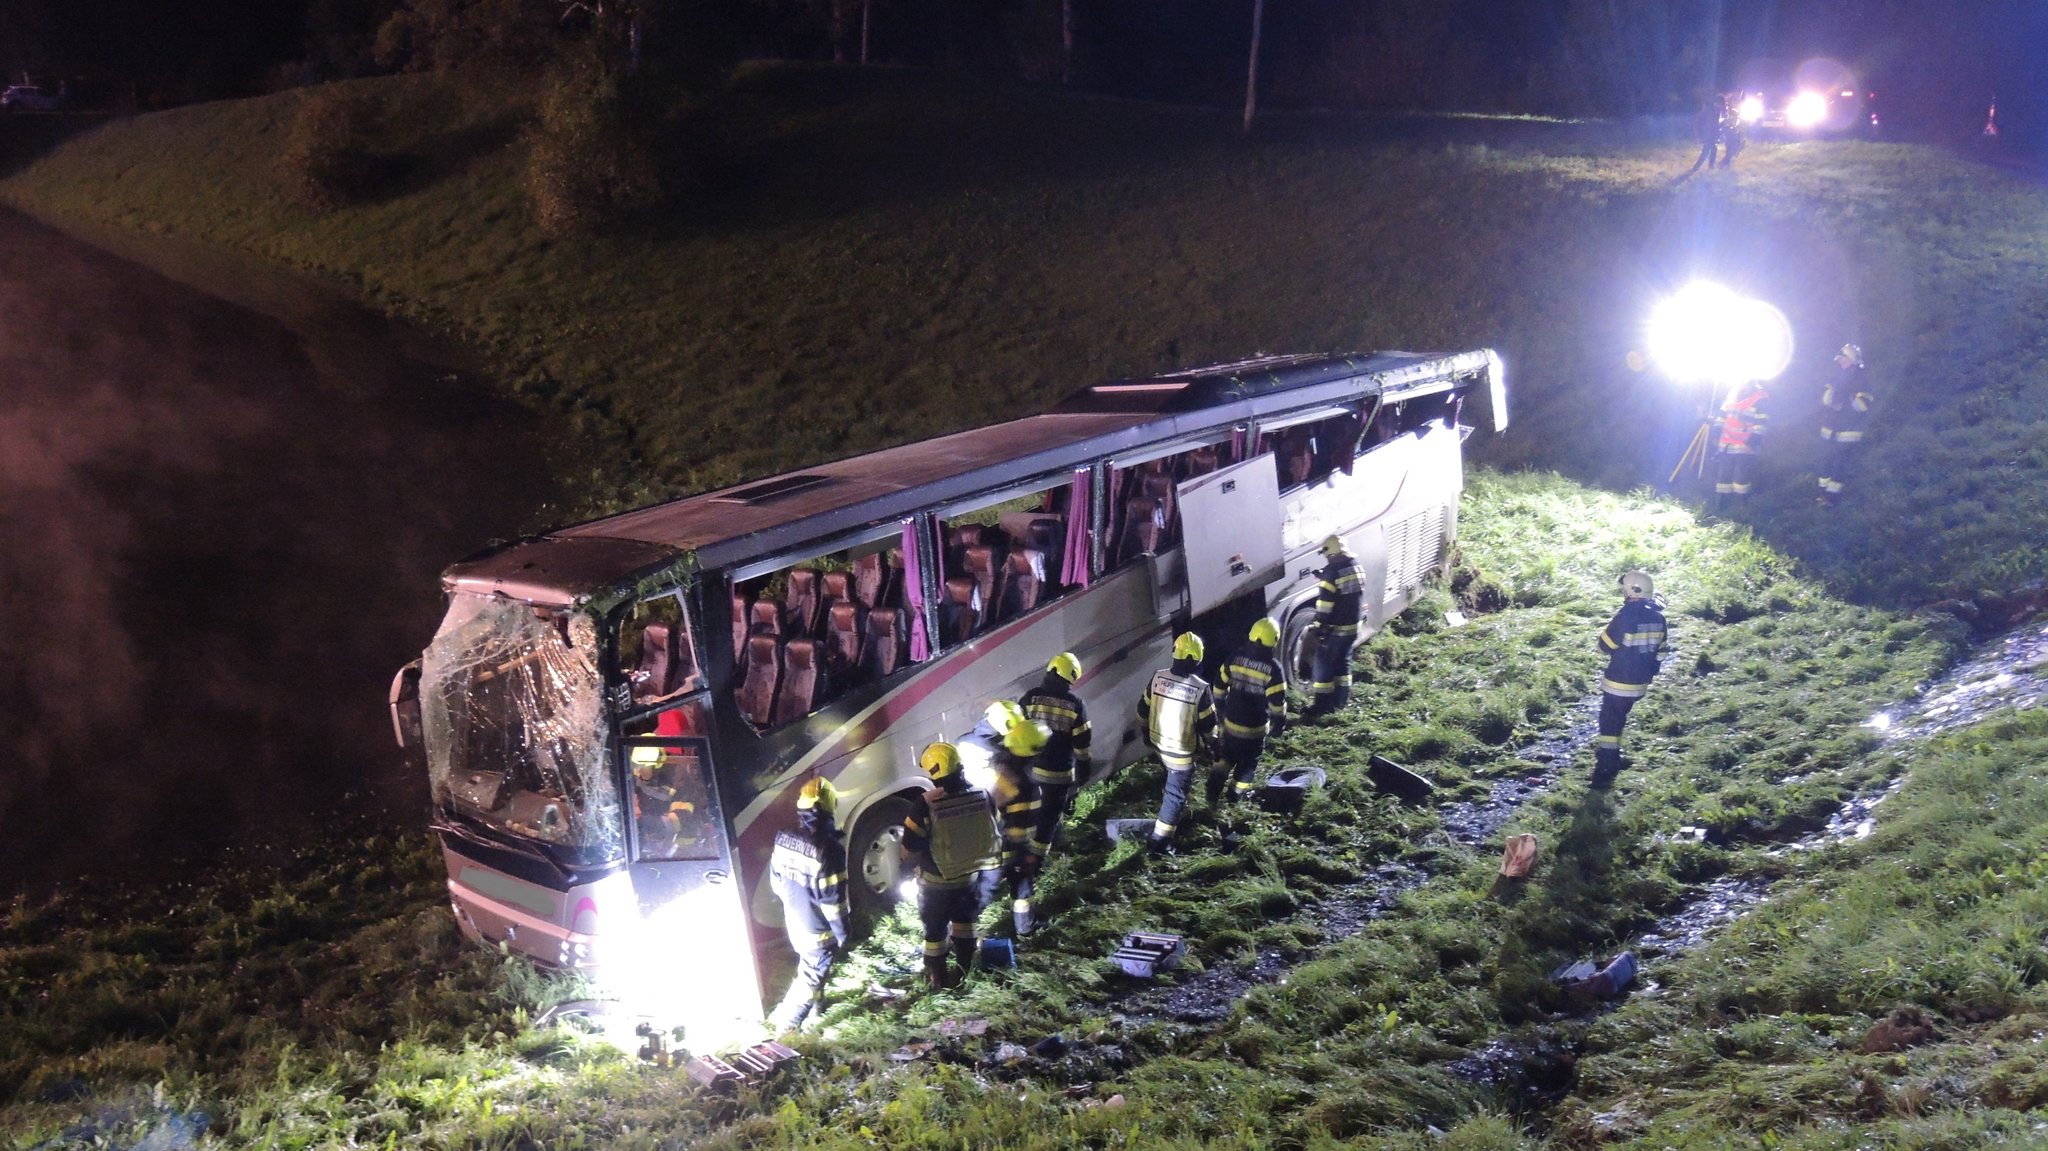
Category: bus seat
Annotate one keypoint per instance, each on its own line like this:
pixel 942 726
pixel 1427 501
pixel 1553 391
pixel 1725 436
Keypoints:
pixel 959 538
pixel 833 588
pixel 959 612
pixel 739 629
pixel 885 642
pixel 979 563
pixel 1200 462
pixel 661 669
pixel 1046 534
pixel 1294 456
pixel 803 681
pixel 1142 529
pixel 1159 489
pixel 1023 582
pixel 756 694
pixel 800 603
pixel 868 579
pixel 843 637
pixel 766 620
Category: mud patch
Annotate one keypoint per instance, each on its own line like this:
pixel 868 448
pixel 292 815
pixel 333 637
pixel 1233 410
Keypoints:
pixel 1528 1071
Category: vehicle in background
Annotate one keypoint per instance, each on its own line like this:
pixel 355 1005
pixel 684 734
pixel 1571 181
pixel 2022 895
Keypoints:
pixel 1821 97
pixel 615 716
pixel 30 98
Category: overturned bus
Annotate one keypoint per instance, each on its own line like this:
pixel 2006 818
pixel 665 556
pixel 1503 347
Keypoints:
pixel 616 715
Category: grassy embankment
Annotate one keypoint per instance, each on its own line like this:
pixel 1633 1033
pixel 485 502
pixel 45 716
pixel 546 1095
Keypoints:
pixel 331 1004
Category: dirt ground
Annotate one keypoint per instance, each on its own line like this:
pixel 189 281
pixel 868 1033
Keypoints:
pixel 220 531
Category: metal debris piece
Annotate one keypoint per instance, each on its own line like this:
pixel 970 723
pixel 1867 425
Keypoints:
pixel 762 1058
pixel 915 1049
pixel 711 1071
pixel 1398 781
pixel 1287 789
pixel 962 1027
pixel 1119 830
pixel 1145 953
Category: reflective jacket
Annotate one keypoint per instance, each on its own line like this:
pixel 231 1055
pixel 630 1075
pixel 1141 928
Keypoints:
pixel 1054 704
pixel 1634 643
pixel 1742 420
pixel 808 871
pixel 1016 799
pixel 1340 597
pixel 951 835
pixel 1845 407
pixel 1177 710
pixel 1254 693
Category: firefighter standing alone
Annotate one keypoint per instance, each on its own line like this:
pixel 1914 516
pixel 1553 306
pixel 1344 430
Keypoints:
pixel 950 837
pixel 1177 714
pixel 808 872
pixel 1844 417
pixel 1743 421
pixel 1633 642
pixel 1340 605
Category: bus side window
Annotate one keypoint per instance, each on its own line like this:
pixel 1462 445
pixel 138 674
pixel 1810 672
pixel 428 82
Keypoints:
pixel 657 654
pixel 1001 562
pixel 805 635
pixel 671 788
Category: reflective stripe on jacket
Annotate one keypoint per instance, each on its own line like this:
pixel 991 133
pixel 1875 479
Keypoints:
pixel 951 835
pixel 1177 710
pixel 1340 597
pixel 808 872
pixel 1062 714
pixel 1254 694
pixel 1742 420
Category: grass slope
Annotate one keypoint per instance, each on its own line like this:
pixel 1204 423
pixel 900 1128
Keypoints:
pixel 858 258
pixel 122 1026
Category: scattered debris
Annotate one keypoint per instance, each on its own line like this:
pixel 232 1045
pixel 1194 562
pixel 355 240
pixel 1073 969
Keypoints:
pixel 1904 1027
pixel 1119 830
pixel 711 1071
pixel 913 1050
pixel 1518 857
pixel 997 951
pixel 1009 1053
pixel 738 1066
pixel 1455 618
pixel 1145 954
pixel 1287 789
pixel 962 1027
pixel 1051 1047
pixel 1398 781
pixel 1584 980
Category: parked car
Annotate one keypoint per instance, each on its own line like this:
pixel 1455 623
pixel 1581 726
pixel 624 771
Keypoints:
pixel 1820 97
pixel 29 98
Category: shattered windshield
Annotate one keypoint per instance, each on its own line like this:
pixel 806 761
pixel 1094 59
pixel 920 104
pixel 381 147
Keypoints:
pixel 515 727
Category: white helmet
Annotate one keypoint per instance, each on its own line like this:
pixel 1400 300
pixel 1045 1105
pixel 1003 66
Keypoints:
pixel 1637 585
pixel 1851 353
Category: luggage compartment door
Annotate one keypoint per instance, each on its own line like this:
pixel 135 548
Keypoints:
pixel 1231 528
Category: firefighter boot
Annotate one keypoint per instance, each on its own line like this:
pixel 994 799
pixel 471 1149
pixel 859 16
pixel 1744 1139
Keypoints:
pixel 1606 765
pixel 963 954
pixel 935 973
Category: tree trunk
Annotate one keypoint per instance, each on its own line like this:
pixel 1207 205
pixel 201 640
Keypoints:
pixel 1251 77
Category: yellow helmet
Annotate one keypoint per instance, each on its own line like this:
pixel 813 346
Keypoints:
pixel 818 795
pixel 1027 739
pixel 940 761
pixel 1187 645
pixel 1266 632
pixel 1066 666
pixel 644 758
pixel 1002 715
pixel 1333 545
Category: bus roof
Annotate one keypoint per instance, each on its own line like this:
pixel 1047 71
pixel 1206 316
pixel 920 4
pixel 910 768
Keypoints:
pixel 767 516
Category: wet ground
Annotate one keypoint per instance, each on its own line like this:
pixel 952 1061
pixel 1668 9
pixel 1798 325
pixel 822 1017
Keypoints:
pixel 220 534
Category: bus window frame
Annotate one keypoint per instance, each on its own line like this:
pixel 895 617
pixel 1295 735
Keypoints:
pixel 702 746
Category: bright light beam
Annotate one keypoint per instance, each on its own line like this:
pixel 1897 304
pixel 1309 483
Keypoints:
pixel 1806 110
pixel 1705 333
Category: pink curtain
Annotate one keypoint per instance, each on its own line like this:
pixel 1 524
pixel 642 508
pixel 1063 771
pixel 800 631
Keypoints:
pixel 913 593
pixel 1080 513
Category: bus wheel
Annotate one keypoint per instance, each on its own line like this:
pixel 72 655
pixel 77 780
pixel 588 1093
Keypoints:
pixel 1297 649
pixel 874 860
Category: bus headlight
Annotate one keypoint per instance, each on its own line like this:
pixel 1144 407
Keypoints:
pixel 1806 110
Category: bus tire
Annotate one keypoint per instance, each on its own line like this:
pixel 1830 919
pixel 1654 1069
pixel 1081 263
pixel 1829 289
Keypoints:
pixel 874 861
pixel 1297 649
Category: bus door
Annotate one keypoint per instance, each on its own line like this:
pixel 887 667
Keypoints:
pixel 1233 538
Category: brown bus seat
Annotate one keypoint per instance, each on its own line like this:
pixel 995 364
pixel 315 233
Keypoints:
pixel 1159 489
pixel 739 629
pixel 662 667
pixel 843 638
pixel 833 588
pixel 868 577
pixel 1200 462
pixel 1023 582
pixel 803 681
pixel 886 641
pixel 756 693
pixel 800 603
pixel 1141 530
pixel 959 538
pixel 1046 534
pixel 766 620
pixel 979 562
pixel 959 614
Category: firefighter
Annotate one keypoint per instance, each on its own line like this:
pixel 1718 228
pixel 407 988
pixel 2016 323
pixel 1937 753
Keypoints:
pixel 1844 417
pixel 1254 705
pixel 1017 807
pixel 996 721
pixel 1067 758
pixel 1743 421
pixel 950 837
pixel 1178 715
pixel 808 871
pixel 1340 605
pixel 1633 642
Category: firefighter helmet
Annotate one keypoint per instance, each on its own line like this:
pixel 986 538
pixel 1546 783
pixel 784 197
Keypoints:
pixel 1187 645
pixel 1851 353
pixel 1066 666
pixel 1002 715
pixel 817 795
pixel 940 761
pixel 1333 545
pixel 645 759
pixel 1266 632
pixel 1026 739
pixel 1637 585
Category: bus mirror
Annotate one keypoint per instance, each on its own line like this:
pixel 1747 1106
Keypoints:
pixel 405 708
